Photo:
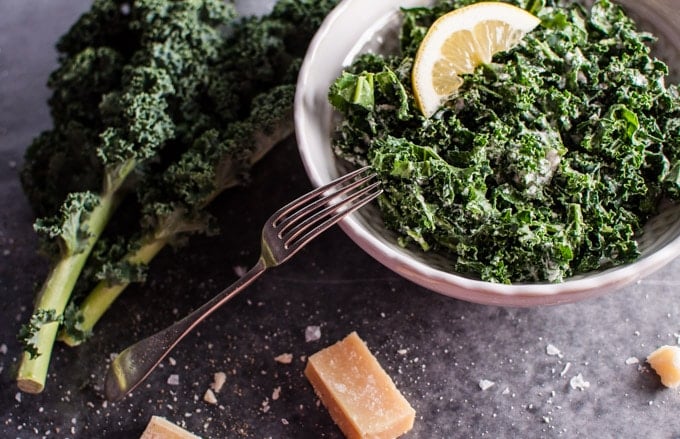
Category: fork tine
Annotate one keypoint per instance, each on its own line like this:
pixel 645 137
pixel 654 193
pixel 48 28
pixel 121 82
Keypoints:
pixel 320 221
pixel 283 213
pixel 295 217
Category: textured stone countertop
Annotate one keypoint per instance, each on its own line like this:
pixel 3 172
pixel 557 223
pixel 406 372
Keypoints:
pixel 437 349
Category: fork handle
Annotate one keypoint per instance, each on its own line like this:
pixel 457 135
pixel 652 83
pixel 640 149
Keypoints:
pixel 135 363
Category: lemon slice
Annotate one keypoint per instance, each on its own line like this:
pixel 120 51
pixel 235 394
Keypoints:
pixel 458 42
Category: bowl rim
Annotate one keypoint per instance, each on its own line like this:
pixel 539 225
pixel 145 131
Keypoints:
pixel 418 272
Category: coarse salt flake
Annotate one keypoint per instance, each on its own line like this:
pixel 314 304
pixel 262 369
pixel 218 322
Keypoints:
pixel 632 360
pixel 219 378
pixel 173 380
pixel 566 369
pixel 284 358
pixel 486 384
pixel 553 351
pixel 312 333
pixel 579 383
pixel 210 397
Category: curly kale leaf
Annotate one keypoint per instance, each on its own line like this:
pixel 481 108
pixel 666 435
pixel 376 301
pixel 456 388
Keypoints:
pixel 546 164
pixel 130 82
pixel 68 231
pixel 247 104
pixel 173 201
pixel 29 332
pixel 79 83
pixel 72 323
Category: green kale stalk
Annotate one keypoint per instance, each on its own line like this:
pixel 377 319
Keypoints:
pixel 125 90
pixel 547 163
pixel 257 72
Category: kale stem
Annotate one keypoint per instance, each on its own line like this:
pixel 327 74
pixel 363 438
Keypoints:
pixel 55 294
pixel 104 294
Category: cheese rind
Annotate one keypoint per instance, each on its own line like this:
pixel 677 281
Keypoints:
pixel 359 395
pixel 666 363
pixel 161 428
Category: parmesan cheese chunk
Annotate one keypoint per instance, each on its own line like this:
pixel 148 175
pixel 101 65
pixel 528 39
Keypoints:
pixel 161 428
pixel 360 397
pixel 666 362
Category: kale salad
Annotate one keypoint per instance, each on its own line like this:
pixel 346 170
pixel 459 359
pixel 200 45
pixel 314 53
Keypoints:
pixel 548 161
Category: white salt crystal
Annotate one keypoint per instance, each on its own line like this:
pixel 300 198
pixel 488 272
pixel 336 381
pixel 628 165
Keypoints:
pixel 284 358
pixel 579 383
pixel 553 351
pixel 632 360
pixel 485 384
pixel 173 380
pixel 219 378
pixel 276 393
pixel 312 333
pixel 209 397
pixel 566 368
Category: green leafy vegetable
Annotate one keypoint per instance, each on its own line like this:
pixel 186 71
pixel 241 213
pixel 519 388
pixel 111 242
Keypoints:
pixel 252 92
pixel 172 101
pixel 546 164
pixel 126 88
pixel 174 205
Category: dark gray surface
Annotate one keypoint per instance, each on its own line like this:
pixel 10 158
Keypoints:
pixel 436 349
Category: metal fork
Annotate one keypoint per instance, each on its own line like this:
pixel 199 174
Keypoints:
pixel 284 233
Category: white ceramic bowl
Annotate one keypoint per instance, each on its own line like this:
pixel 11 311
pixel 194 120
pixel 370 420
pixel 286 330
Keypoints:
pixel 355 26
